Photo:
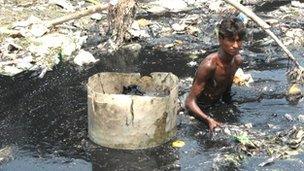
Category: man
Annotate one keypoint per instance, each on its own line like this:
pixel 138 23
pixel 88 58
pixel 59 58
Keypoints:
pixel 213 78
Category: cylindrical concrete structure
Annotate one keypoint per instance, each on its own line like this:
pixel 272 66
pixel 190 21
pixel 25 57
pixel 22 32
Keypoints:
pixel 124 121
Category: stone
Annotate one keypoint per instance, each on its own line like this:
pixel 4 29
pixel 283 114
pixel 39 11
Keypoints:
pixel 123 121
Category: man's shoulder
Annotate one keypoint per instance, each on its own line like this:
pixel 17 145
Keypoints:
pixel 208 63
pixel 210 60
pixel 238 59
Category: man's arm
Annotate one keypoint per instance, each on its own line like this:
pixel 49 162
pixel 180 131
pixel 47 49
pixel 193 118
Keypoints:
pixel 204 73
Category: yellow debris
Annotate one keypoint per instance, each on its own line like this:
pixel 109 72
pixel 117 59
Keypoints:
pixel 294 89
pixel 240 78
pixel 178 144
pixel 178 42
pixel 143 22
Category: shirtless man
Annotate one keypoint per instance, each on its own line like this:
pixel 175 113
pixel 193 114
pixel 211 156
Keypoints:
pixel 213 78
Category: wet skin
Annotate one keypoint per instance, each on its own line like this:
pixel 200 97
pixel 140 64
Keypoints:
pixel 213 78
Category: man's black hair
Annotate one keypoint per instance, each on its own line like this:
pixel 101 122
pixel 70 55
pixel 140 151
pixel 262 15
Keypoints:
pixel 231 27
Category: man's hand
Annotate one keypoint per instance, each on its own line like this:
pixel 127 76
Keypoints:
pixel 213 124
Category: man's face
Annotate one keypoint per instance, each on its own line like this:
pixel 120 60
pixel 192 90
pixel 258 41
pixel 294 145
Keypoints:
pixel 231 45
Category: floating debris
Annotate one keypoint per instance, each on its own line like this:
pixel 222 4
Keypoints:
pixel 132 90
pixel 301 118
pixel 294 89
pixel 240 78
pixel 294 94
pixel 6 154
pixel 269 161
pixel 192 63
pixel 178 144
pixel 288 117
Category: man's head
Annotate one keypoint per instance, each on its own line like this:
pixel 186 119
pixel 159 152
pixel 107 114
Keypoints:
pixel 231 34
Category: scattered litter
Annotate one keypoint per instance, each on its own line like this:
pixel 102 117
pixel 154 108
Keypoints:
pixel 288 117
pixel 157 10
pixel 65 4
pixel 297 4
pixel 268 161
pixel 248 125
pixel 96 16
pixel 179 27
pixel 25 23
pixel 192 30
pixel 301 118
pixel 177 6
pixel 37 30
pixel 181 113
pixel 192 63
pixel 170 45
pixel 243 18
pixel 191 117
pixel 9 46
pixel 137 32
pixel 215 5
pixel 199 133
pixel 271 126
pixel 193 56
pixel 113 2
pixel 294 94
pixel 294 89
pixel 43 72
pixel 143 22
pixel 25 62
pixel 178 144
pixel 191 19
pixel 132 90
pixel 84 58
pixel 243 139
pixel 11 70
pixel 240 78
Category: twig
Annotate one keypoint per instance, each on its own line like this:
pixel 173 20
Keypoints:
pixel 90 10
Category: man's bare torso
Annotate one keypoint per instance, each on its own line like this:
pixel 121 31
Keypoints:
pixel 220 81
